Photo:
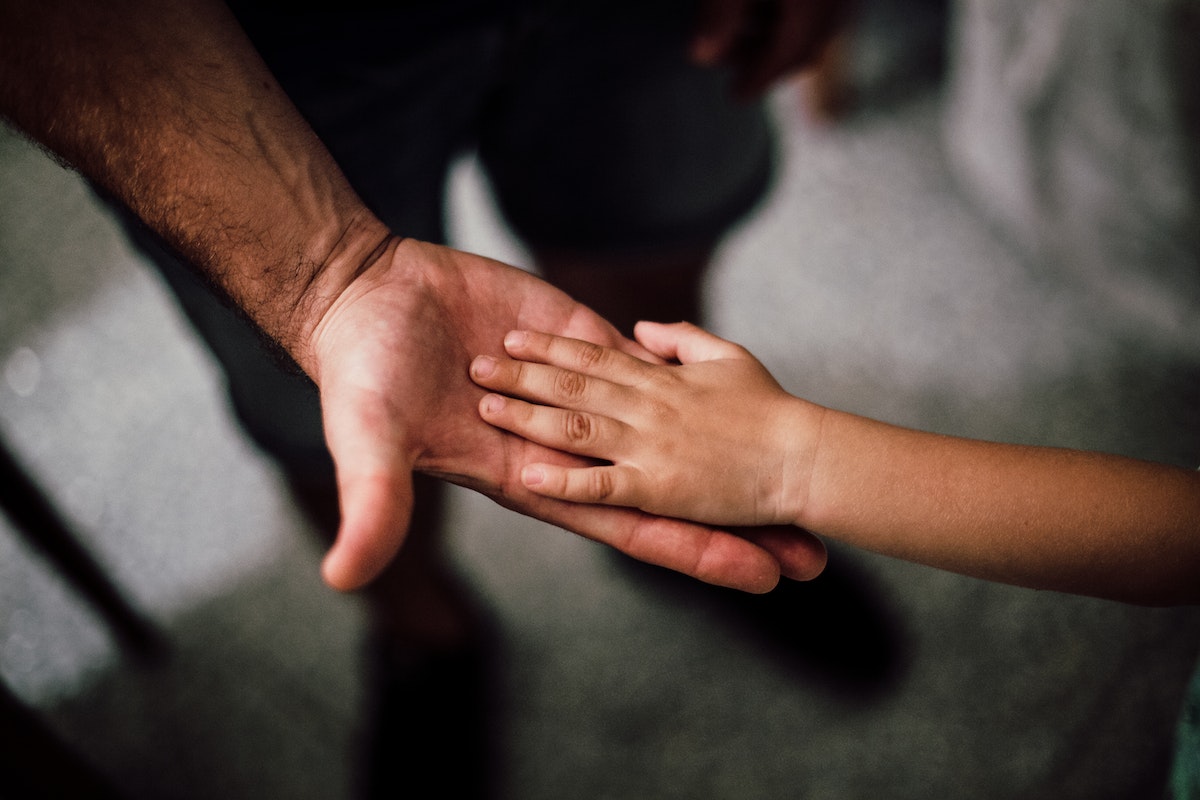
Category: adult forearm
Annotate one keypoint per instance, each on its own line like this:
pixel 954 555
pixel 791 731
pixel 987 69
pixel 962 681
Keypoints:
pixel 1045 518
pixel 168 107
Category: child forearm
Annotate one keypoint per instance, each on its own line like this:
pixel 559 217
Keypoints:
pixel 1040 517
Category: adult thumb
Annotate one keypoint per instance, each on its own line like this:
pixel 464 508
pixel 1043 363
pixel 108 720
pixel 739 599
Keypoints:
pixel 376 509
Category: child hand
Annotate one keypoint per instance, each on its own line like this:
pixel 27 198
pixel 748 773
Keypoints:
pixel 713 439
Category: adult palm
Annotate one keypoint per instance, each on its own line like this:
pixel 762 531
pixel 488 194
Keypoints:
pixel 391 357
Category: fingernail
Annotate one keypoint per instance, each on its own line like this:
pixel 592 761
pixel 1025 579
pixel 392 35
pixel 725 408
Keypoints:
pixel 483 367
pixel 532 476
pixel 493 403
pixel 515 338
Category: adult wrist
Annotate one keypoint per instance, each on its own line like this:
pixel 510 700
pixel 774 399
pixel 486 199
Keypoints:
pixel 338 258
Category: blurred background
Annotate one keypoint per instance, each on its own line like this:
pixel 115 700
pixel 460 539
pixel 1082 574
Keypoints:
pixel 985 223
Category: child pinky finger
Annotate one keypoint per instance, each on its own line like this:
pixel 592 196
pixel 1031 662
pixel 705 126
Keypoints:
pixel 598 485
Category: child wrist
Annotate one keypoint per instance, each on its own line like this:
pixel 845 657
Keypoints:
pixel 800 433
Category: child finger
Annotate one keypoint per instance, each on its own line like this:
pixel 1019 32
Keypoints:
pixel 605 485
pixel 543 383
pixel 575 355
pixel 575 432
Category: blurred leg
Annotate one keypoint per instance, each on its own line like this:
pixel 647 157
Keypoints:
pixel 620 163
pixel 656 287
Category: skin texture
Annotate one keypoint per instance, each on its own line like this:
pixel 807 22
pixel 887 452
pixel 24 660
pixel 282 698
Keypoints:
pixel 712 437
pixel 168 108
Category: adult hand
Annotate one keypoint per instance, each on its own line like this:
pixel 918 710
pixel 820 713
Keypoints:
pixel 763 40
pixel 391 357
pixel 211 154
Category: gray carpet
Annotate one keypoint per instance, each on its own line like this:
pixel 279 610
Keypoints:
pixel 867 282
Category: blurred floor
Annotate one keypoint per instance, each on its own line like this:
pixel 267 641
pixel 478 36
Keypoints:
pixel 866 283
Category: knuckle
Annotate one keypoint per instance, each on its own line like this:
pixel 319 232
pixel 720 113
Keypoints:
pixel 517 374
pixel 569 386
pixel 600 484
pixel 578 427
pixel 590 355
